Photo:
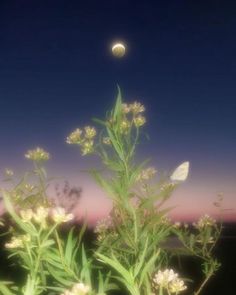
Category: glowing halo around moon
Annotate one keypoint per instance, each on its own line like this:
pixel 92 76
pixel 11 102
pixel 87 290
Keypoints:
pixel 118 50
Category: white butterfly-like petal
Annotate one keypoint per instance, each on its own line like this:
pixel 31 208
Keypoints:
pixel 181 172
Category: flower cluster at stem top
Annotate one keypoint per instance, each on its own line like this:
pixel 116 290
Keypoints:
pixel 37 155
pixel 84 138
pixel 169 281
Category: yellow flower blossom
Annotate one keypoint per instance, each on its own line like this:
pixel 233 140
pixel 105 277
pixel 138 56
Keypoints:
pixel 125 126
pixel 37 155
pixel 87 147
pixel 75 137
pixel 90 132
pixel 137 107
pixel 139 121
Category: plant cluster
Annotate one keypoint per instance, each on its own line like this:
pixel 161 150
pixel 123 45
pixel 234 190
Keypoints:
pixel 134 247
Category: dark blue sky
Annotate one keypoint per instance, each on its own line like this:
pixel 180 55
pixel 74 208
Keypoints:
pixel 56 72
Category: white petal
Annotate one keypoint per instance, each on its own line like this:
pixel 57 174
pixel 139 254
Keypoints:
pixel 181 172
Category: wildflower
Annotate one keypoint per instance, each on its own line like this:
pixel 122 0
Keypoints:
pixel 177 224
pixel 9 172
pixel 90 132
pixel 139 121
pixel 75 137
pixel 163 278
pixel 59 215
pixel 102 226
pixel 14 243
pixel 26 215
pixel 124 126
pixel 37 155
pixel 205 221
pixel 137 107
pixel 78 289
pixel 147 173
pixel 106 140
pixel 125 108
pixel 41 215
pixel 177 286
pixel 87 147
pixel 169 280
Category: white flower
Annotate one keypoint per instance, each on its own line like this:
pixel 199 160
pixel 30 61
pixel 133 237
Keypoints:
pixel 14 243
pixel 169 280
pixel 59 215
pixel 26 215
pixel 180 173
pixel 41 215
pixel 77 289
pixel 205 221
pixel 163 278
pixel 80 289
pixel 177 286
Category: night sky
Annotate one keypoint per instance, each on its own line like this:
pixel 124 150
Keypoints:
pixel 57 72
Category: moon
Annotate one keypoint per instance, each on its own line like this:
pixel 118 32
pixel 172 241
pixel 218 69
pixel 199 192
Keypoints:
pixel 118 50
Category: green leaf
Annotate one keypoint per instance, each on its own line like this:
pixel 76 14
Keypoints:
pixel 148 266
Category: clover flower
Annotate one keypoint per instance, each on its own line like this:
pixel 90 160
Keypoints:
pixel 37 155
pixel 205 221
pixel 164 278
pixel 78 289
pixel 147 173
pixel 168 280
pixel 139 121
pixel 59 215
pixel 75 137
pixel 26 215
pixel 14 243
pixel 90 132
